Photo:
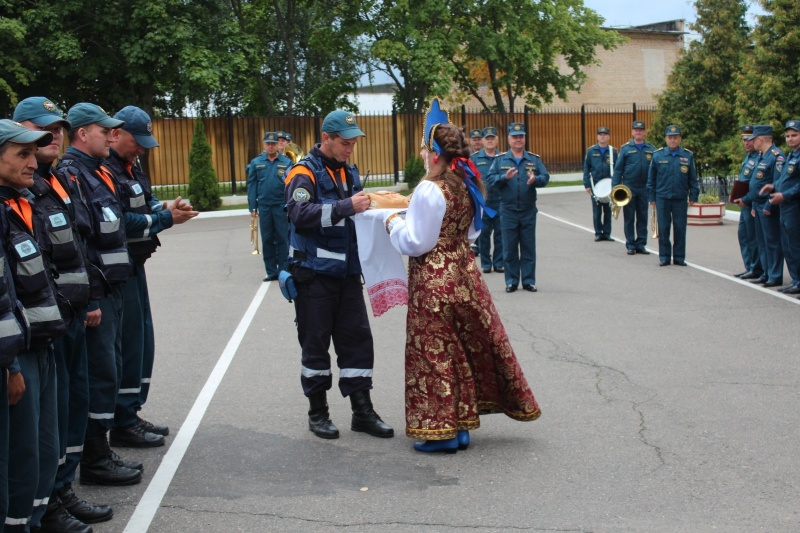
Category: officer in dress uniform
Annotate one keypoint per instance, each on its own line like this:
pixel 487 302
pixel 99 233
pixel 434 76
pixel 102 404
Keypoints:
pixel 323 193
pixel 65 219
pixel 33 415
pixel 265 198
pixel 785 192
pixel 90 137
pixel 491 225
pixel 747 229
pixel 767 216
pixel 145 217
pixel 597 166
pixel 630 169
pixel 516 175
pixel 672 179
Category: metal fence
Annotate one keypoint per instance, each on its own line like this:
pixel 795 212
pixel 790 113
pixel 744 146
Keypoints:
pixel 559 136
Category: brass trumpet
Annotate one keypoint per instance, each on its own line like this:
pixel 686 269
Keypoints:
pixel 254 234
pixel 654 221
pixel 620 197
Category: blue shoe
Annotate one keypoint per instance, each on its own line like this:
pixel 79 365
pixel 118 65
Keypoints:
pixel 463 439
pixel 446 446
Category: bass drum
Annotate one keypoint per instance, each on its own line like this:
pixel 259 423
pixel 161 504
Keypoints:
pixel 602 191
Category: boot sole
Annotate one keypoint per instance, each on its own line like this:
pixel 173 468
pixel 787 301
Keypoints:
pixel 106 483
pixel 93 520
pixel 379 435
pixel 123 444
pixel 328 437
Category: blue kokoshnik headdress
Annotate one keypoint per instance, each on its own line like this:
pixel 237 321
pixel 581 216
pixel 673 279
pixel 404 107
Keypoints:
pixel 436 116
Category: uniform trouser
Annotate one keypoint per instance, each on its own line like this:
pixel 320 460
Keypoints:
pixel 768 238
pixel 747 242
pixel 672 213
pixel 33 441
pixel 73 398
pixel 790 239
pixel 491 227
pixel 635 214
pixel 137 348
pixel 104 349
pixel 333 309
pixel 601 217
pixel 3 445
pixel 519 245
pixel 274 227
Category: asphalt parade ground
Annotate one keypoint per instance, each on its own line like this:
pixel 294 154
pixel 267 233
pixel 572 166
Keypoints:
pixel 669 398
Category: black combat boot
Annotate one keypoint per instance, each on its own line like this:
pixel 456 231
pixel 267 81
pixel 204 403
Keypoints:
pixel 56 519
pixel 319 421
pixel 365 418
pixel 82 510
pixel 99 468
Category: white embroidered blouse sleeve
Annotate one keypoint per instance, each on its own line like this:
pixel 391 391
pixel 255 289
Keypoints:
pixel 419 232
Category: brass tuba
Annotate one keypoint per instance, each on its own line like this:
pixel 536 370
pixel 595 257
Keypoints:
pixel 293 152
pixel 620 197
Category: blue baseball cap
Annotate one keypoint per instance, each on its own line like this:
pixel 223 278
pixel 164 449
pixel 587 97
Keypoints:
pixel 476 134
pixel 759 130
pixel 792 125
pixel 516 128
pixel 603 129
pixel 490 131
pixel 40 111
pixel 14 132
pixel 137 122
pixel 270 137
pixel 342 122
pixel 281 135
pixel 672 129
pixel 638 125
pixel 747 130
pixel 84 114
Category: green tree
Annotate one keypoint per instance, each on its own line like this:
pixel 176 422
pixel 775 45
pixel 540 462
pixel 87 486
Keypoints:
pixel 12 71
pixel 203 185
pixel 767 87
pixel 700 93
pixel 527 50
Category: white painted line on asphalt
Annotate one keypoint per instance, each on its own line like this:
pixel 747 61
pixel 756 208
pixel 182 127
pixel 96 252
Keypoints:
pixel 728 277
pixel 151 499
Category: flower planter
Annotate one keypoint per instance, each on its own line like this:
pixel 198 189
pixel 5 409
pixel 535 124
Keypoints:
pixel 705 214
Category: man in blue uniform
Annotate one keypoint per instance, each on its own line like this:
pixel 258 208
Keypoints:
pixel 747 228
pixel 266 201
pixel 145 217
pixel 323 193
pixel 631 170
pixel 33 426
pixel 476 140
pixel 597 166
pixel 672 179
pixel 491 226
pixel 785 192
pixel 517 174
pixel 12 341
pixel 767 216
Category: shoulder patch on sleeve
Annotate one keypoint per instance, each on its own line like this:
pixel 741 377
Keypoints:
pixel 301 195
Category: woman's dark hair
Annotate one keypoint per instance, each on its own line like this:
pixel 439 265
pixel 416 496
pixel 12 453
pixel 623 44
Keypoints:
pixel 453 142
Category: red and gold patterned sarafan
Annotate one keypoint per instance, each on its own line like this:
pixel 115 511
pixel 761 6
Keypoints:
pixel 459 362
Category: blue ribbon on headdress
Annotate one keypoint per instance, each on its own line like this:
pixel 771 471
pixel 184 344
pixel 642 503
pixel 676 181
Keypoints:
pixel 471 174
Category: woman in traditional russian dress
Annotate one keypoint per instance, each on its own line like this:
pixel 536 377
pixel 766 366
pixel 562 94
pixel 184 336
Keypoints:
pixel 459 362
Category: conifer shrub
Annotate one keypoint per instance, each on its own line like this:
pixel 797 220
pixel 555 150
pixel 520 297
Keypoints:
pixel 203 185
